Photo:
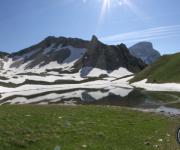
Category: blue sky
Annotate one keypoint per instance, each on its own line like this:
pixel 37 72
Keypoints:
pixel 24 23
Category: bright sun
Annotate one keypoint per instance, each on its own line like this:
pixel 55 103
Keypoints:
pixel 106 5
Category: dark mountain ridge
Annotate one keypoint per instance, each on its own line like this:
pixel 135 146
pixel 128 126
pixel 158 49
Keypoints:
pixel 3 54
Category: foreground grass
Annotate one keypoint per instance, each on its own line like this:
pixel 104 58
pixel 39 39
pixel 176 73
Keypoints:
pixel 84 127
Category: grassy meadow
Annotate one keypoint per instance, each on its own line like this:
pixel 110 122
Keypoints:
pixel 35 127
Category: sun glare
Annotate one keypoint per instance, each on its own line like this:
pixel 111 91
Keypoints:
pixel 106 5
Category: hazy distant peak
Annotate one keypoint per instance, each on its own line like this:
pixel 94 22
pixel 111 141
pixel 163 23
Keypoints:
pixel 145 51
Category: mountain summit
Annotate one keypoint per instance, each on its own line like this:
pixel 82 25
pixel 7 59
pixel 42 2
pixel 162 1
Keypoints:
pixel 145 51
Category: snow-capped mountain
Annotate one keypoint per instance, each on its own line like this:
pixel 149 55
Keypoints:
pixel 145 51
pixel 70 55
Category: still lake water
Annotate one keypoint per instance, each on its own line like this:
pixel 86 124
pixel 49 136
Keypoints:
pixel 165 102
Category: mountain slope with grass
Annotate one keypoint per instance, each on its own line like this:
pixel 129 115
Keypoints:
pixel 165 70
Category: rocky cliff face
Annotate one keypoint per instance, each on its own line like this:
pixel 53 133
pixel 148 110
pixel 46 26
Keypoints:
pixel 110 57
pixel 145 51
pixel 3 54
pixel 2 57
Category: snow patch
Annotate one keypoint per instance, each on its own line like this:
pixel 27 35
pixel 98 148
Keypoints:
pixel 157 87
pixel 96 72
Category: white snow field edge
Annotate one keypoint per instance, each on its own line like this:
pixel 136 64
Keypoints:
pixel 96 72
pixel 173 87
pixel 91 72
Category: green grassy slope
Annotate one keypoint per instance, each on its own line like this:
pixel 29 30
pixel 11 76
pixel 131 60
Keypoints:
pixel 84 127
pixel 166 69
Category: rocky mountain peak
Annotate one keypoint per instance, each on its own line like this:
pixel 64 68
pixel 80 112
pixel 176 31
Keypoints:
pixel 145 51
pixel 145 44
pixel 94 40
pixel 3 54
pixel 50 38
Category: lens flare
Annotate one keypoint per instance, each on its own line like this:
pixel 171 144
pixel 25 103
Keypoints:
pixel 106 4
